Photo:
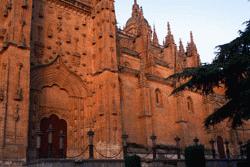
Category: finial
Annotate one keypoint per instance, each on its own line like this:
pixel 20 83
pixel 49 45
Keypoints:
pixel 181 47
pixel 136 9
pixel 181 44
pixel 169 29
pixel 169 38
pixel 191 36
pixel 155 38
pixel 141 11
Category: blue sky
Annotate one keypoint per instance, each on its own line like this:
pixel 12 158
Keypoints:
pixel 213 22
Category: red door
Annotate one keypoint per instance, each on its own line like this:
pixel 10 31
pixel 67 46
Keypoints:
pixel 54 137
pixel 220 147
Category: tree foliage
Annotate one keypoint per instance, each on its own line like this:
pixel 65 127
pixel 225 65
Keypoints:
pixel 230 68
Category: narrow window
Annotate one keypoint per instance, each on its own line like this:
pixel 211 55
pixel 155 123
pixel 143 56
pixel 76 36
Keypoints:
pixel 158 97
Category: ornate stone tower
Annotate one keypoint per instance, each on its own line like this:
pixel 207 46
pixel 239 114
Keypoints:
pixel 15 46
pixel 58 63
pixel 106 118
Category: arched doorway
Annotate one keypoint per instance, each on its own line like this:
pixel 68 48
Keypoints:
pixel 53 138
pixel 220 147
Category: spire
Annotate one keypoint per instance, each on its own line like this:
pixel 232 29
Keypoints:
pixel 155 38
pixel 169 38
pixel 169 29
pixel 193 58
pixel 136 9
pixel 181 58
pixel 191 47
pixel 181 49
pixel 191 37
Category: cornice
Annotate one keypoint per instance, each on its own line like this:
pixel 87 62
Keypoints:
pixel 75 5
pixel 155 78
pixel 130 52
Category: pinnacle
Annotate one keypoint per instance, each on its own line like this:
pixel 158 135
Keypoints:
pixel 191 37
pixel 181 47
pixel 169 29
pixel 169 38
pixel 155 38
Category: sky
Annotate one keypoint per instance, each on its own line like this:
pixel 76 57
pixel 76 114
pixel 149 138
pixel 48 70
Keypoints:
pixel 213 22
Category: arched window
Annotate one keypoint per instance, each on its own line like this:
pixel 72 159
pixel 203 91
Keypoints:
pixel 190 105
pixel 158 97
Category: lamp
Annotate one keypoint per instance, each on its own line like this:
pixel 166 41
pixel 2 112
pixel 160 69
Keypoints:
pixel 91 134
pixel 153 137
pixel 212 147
pixel 177 140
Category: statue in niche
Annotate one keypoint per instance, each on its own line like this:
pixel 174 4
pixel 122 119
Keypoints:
pixel 84 21
pixel 6 40
pixel 19 91
pixel 77 27
pixel 59 26
pixel 59 15
pixel 1 94
pixel 9 5
pixel 75 59
pixel 5 12
pixel 16 115
pixel 2 32
pixel 68 37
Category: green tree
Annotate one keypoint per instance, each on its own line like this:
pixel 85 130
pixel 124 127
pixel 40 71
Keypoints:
pixel 230 68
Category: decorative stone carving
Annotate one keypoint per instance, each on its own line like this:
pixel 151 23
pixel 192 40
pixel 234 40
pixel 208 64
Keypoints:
pixel 59 26
pixel 84 21
pixel 59 15
pixel 22 42
pixel 77 27
pixel 6 40
pixel 2 32
pixel 19 90
pixel 100 34
pixel 50 31
pixel 9 5
pixel 38 50
pixel 1 94
pixel 25 4
pixel 68 37
pixel 75 59
pixel 16 115
pixel 5 12
pixel 94 41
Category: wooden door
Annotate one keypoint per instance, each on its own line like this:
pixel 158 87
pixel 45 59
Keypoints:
pixel 58 146
pixel 220 147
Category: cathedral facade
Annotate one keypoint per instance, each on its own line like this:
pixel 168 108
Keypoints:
pixel 66 68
